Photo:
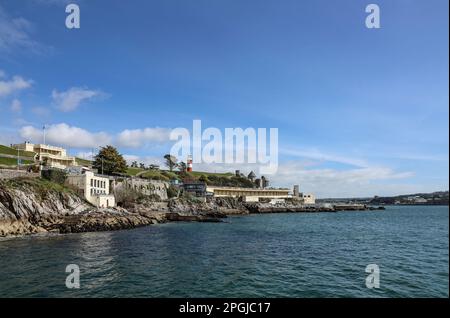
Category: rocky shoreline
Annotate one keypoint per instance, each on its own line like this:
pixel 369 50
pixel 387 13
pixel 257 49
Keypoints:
pixel 28 206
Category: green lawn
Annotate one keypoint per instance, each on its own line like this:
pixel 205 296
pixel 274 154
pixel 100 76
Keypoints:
pixel 11 151
pixel 160 175
pixel 133 171
pixel 13 161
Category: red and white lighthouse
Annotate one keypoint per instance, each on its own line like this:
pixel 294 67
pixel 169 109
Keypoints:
pixel 189 163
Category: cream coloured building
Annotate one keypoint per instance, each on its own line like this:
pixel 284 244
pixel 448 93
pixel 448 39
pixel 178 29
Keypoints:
pixel 55 157
pixel 94 188
pixel 249 194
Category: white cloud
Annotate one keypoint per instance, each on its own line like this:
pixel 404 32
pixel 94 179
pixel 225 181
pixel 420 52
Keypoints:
pixel 65 135
pixel 75 137
pixel 72 98
pixel 139 137
pixel 16 106
pixel 17 83
pixel 85 155
pixel 319 155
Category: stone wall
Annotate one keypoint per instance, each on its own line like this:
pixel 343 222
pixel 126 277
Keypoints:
pixel 10 174
pixel 144 186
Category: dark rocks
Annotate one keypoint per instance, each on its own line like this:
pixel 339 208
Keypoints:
pixel 176 217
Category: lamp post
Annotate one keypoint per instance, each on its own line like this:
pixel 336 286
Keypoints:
pixel 43 128
pixel 18 158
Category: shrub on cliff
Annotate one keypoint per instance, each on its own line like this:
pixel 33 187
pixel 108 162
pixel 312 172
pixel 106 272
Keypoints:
pixel 126 197
pixel 39 186
pixel 54 175
pixel 172 192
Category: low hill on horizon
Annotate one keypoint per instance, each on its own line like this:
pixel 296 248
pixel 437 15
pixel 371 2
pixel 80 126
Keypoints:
pixel 432 198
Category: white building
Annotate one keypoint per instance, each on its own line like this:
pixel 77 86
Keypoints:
pixel 94 188
pixel 249 194
pixel 54 157
pixel 309 199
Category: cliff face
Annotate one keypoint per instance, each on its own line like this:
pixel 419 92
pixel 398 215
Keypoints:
pixel 25 204
pixel 34 205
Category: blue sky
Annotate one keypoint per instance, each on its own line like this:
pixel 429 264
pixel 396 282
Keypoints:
pixel 360 111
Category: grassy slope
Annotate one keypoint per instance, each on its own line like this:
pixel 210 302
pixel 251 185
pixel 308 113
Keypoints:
pixel 13 161
pixel 165 174
pixel 11 151
pixel 133 171
pixel 207 174
pixel 39 185
pixel 83 162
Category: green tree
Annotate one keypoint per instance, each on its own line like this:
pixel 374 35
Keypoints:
pixel 109 161
pixel 171 161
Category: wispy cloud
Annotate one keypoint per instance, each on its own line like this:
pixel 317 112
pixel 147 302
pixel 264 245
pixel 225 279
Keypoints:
pixel 15 34
pixel 16 106
pixel 322 156
pixel 69 100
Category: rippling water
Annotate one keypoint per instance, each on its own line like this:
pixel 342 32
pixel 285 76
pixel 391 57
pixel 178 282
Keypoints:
pixel 273 255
